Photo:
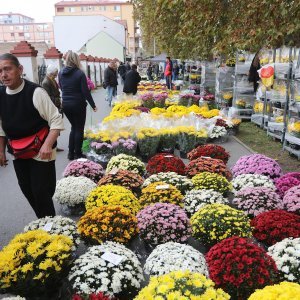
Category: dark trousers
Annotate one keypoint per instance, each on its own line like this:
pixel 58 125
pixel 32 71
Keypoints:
pixel 37 181
pixel 76 116
pixel 169 82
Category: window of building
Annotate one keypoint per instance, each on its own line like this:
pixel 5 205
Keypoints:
pixel 45 26
pixel 27 35
pixel 102 8
pixel 46 34
pixel 84 8
pixel 12 34
pixel 117 8
pixel 21 33
pixel 71 9
pixel 60 9
pixel 19 28
pixel 26 27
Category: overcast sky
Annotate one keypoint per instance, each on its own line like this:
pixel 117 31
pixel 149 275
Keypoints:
pixel 40 10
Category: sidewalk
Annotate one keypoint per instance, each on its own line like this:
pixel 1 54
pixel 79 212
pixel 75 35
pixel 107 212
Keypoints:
pixel 15 212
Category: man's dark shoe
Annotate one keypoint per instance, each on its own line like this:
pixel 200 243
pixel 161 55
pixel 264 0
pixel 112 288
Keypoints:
pixel 70 156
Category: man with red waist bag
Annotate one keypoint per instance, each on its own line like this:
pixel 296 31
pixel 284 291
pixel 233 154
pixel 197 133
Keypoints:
pixel 25 110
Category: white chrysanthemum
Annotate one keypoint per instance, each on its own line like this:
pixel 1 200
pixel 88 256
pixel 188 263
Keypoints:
pixel 73 190
pixel 196 199
pixel 182 183
pixel 172 256
pixel 286 255
pixel 218 131
pixel 57 225
pixel 91 273
pixel 14 298
pixel 251 180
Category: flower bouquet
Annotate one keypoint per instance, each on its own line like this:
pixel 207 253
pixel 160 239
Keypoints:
pixel 93 296
pixel 126 162
pixel 168 140
pixel 255 200
pixel 286 257
pixel 228 96
pixel 84 167
pixel 240 103
pixel 196 199
pixel 34 263
pixel 110 268
pixel 107 223
pixel 240 267
pixel 285 182
pixel 171 257
pixel 207 164
pixel 209 150
pixel 257 164
pixel 112 195
pixel 162 162
pixel 219 132
pixel 216 222
pixel 211 181
pixel 163 222
pixel 294 128
pixel 160 192
pixel 71 193
pixel 185 99
pixel 251 180
pixel 148 141
pixel 291 200
pixel 129 180
pixel 181 285
pixel 182 183
pixel 274 226
pixel 160 99
pixel 148 100
pixel 56 225
pixel 123 146
pixel 287 290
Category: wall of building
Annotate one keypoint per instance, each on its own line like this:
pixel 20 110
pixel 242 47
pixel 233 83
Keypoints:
pixel 103 45
pixel 31 32
pixel 73 32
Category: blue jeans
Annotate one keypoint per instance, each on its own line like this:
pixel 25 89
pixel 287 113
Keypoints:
pixel 110 93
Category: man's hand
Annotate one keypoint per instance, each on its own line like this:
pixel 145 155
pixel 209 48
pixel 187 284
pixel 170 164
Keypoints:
pixel 3 160
pixel 45 152
pixel 95 109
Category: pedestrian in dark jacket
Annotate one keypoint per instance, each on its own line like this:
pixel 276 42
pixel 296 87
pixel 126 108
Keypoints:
pixel 131 81
pixel 128 67
pixel 122 71
pixel 75 93
pixel 110 81
pixel 149 72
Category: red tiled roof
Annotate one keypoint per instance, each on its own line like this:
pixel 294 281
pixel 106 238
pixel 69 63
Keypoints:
pixel 99 2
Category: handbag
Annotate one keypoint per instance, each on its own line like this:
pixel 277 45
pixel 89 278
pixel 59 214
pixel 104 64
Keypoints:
pixel 28 147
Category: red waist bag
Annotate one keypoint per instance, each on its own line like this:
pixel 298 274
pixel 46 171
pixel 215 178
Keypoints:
pixel 28 147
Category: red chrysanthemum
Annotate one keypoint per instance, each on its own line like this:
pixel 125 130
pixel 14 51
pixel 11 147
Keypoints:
pixel 207 164
pixel 98 296
pixel 273 226
pixel 210 150
pixel 239 267
pixel 163 162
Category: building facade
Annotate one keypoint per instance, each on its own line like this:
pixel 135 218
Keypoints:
pixel 17 27
pixel 121 11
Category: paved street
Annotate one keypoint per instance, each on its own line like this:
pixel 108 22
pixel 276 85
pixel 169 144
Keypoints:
pixel 15 212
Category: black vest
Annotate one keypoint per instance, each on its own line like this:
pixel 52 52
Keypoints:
pixel 19 116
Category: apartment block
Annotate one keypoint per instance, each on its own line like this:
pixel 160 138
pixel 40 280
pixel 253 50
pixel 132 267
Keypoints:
pixel 121 11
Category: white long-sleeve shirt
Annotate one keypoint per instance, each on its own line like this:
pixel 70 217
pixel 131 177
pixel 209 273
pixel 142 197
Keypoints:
pixel 47 110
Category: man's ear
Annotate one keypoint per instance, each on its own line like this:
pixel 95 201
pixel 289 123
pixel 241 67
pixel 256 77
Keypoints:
pixel 21 69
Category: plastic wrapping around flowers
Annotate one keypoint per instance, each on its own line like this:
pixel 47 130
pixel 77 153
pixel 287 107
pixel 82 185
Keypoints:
pixel 286 257
pixel 255 200
pixel 234 263
pixel 182 285
pixel 172 256
pixel 283 290
pixel 273 226
pixel 257 164
pixel 57 225
pixel 110 268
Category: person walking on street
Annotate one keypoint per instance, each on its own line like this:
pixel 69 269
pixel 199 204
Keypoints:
pixel 128 67
pixel 27 113
pixel 122 72
pixel 131 81
pixel 75 93
pixel 168 72
pixel 110 81
pixel 175 72
pixel 149 72
pixel 50 85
